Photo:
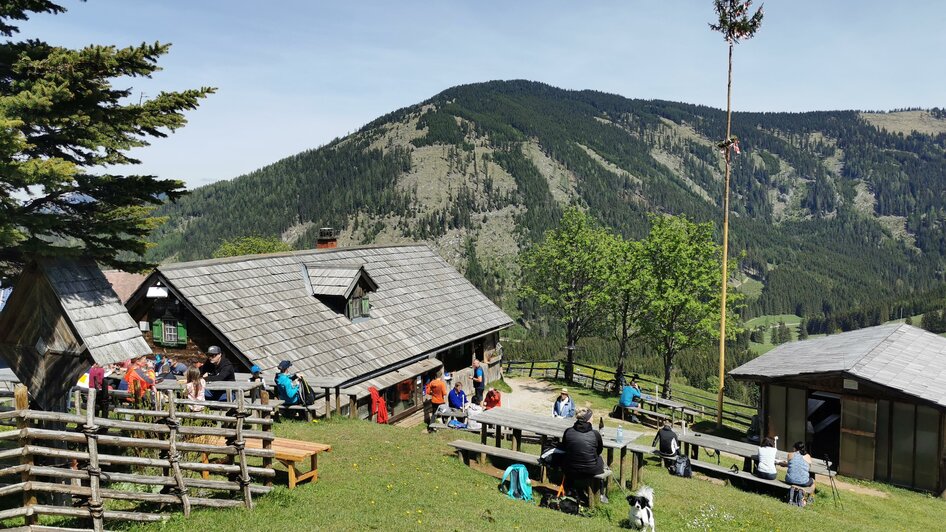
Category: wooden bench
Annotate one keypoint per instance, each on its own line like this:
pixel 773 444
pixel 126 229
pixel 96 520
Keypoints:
pixel 622 413
pixel 465 448
pixel 289 453
pixel 719 471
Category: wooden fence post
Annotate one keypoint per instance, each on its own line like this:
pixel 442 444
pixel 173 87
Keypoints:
pixel 328 405
pixel 240 445
pixel 267 444
pixel 594 374
pixel 21 402
pixel 96 508
pixel 174 457
pixel 558 366
pixel 531 368
pixel 338 400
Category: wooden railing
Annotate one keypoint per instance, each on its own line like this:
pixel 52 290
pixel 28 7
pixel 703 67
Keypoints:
pixel 601 380
pixel 105 458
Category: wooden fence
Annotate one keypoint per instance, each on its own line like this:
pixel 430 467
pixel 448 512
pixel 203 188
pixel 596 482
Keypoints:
pixel 85 466
pixel 601 380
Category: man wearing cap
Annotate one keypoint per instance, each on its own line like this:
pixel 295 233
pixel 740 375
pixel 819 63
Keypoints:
pixel 217 369
pixel 287 386
pixel 582 445
pixel 564 407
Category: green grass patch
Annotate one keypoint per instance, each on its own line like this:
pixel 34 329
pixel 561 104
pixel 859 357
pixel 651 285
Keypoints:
pixel 390 478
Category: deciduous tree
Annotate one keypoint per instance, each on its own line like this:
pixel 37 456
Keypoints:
pixel 679 274
pixel 567 274
pixel 62 123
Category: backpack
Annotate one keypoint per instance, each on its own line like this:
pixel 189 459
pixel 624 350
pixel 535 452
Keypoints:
pixel 519 485
pixel 306 394
pixel 564 503
pixel 681 467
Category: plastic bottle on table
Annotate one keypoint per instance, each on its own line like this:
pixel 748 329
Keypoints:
pixel 620 434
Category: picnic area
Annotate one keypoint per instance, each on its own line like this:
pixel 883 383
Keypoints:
pixel 398 477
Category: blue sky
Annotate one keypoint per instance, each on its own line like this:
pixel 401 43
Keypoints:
pixel 292 75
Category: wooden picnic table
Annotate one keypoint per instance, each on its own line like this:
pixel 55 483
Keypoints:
pixel 692 442
pixel 670 404
pixel 546 427
pixel 289 453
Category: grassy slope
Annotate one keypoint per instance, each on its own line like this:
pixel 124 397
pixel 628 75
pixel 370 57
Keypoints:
pixel 391 478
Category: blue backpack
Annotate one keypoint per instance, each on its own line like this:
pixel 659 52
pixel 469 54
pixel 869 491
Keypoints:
pixel 519 486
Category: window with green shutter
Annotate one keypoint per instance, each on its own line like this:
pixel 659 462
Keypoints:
pixel 157 332
pixel 181 333
pixel 365 306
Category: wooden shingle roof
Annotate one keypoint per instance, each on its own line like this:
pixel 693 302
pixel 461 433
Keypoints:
pixel 261 304
pixel 97 315
pixel 897 356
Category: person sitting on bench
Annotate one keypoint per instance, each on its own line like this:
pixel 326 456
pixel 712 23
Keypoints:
pixel 457 397
pixel 668 444
pixel 582 445
pixel 799 467
pixel 765 467
pixel 630 398
pixel 287 386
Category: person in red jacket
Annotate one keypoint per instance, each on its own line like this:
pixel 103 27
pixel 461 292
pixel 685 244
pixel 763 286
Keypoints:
pixel 493 399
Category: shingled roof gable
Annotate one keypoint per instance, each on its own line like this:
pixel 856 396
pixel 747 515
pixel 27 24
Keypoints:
pixel 335 280
pixel 898 356
pixel 422 304
pixel 96 312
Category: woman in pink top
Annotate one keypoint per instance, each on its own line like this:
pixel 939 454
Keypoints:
pixel 195 387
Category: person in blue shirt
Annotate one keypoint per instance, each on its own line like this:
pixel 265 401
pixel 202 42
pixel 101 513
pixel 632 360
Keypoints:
pixel 287 386
pixel 630 397
pixel 457 397
pixel 479 381
pixel 564 407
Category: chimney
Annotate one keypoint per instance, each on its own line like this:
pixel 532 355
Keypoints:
pixel 328 238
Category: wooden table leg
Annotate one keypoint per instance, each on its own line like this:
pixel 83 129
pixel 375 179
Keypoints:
pixel 637 461
pixel 610 456
pixel 291 468
pixel 314 462
pixel 483 434
pixel 621 467
pixel 516 439
pixel 499 436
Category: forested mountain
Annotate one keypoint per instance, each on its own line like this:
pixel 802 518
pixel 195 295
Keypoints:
pixel 833 210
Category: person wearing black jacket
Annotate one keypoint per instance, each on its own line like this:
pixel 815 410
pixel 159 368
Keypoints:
pixel 582 445
pixel 217 369
pixel 668 446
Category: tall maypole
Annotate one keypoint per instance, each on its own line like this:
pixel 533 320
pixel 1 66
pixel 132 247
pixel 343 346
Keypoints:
pixel 735 23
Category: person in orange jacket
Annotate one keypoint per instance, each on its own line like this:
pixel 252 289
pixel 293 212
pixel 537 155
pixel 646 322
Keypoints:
pixel 140 380
pixel 436 394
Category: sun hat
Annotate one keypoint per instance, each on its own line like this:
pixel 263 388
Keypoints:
pixel 565 391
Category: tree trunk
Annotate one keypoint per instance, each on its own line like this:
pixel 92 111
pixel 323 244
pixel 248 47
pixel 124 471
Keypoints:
pixel 570 353
pixel 668 367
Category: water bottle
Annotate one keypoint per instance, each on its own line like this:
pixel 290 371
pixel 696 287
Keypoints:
pixel 620 434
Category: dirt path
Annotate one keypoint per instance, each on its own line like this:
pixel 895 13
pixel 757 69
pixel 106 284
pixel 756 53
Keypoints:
pixel 530 395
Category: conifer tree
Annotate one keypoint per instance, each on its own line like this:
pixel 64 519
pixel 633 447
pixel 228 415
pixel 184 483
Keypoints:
pixel 62 122
pixel 734 23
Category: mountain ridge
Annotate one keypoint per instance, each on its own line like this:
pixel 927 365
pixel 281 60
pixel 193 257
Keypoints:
pixel 481 170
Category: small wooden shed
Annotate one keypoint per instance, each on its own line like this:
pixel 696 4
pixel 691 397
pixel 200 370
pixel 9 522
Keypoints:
pixel 872 400
pixel 61 316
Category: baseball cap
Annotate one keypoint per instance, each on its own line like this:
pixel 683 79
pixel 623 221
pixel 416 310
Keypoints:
pixel 254 369
pixel 213 350
pixel 447 376
pixel 284 364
